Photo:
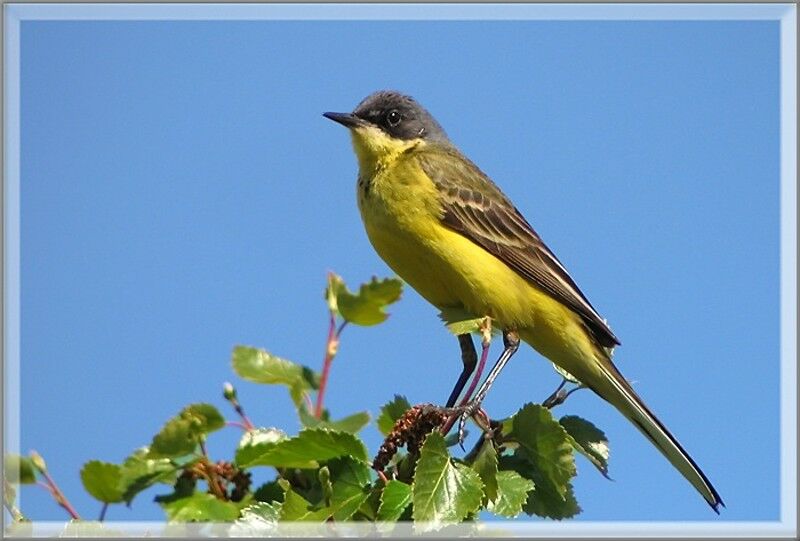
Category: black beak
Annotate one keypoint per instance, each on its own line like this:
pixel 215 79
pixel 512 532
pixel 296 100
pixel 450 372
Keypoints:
pixel 349 120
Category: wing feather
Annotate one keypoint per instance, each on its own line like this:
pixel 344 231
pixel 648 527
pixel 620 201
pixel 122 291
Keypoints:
pixel 475 207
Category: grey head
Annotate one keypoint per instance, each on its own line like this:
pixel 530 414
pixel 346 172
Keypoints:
pixel 396 114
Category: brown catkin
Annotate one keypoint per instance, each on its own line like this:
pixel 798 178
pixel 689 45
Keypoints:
pixel 410 430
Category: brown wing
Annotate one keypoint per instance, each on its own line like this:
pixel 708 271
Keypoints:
pixel 476 208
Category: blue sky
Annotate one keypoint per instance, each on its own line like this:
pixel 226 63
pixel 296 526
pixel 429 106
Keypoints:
pixel 181 194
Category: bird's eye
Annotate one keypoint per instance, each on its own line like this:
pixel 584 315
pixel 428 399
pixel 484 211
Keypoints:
pixel 393 118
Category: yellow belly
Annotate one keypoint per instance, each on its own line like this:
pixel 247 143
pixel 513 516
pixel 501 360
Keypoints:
pixel 401 215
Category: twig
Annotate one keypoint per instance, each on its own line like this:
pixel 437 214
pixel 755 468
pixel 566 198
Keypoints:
pixel 58 496
pixel 486 340
pixel 331 348
pixel 236 424
pixel 229 392
pixel 554 398
pixel 103 510
pixel 559 396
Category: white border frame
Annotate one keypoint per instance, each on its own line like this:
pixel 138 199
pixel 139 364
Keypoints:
pixel 14 14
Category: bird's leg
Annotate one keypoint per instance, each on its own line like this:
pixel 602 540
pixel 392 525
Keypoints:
pixel 470 358
pixel 511 344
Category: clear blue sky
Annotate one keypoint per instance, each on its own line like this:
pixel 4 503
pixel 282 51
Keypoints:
pixel 181 193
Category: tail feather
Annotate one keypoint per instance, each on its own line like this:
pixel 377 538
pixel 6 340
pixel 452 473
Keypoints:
pixel 615 389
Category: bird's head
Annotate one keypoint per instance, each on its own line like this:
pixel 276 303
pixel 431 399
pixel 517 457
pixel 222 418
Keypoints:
pixel 386 123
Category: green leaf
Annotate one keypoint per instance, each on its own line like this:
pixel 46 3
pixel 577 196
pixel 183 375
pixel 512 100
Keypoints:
pixel 255 443
pixel 458 321
pixel 545 444
pixel 588 440
pixel 485 464
pixel 297 508
pixel 181 434
pixel 140 472
pixel 257 520
pixel 351 480
pixel 545 503
pixel 200 507
pixel 512 492
pixel 395 498
pixel 103 481
pixel 258 366
pixel 305 450
pixel 391 412
pixel 443 492
pixel 367 306
pixel 183 487
pixel 335 282
pixel 269 492
pixel 352 423
pixel 19 470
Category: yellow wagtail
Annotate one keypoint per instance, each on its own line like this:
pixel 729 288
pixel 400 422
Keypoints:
pixel 444 227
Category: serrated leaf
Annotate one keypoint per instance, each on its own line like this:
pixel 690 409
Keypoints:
pixel 367 307
pixel 262 435
pixel 391 412
pixel 200 507
pixel 139 472
pixel 512 492
pixel 255 443
pixel 351 480
pixel 103 481
pixel 181 434
pixel 485 464
pixel 269 492
pixel 443 492
pixel 588 440
pixel 19 470
pixel 395 498
pixel 305 450
pixel 257 520
pixel 545 444
pixel 543 502
pixel 297 508
pixel 352 423
pixel 259 366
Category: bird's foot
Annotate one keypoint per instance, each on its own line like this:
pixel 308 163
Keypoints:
pixel 472 409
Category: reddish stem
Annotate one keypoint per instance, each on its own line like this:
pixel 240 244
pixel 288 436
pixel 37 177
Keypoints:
pixel 475 378
pixel 331 345
pixel 59 496
pixel 478 371
pixel 245 420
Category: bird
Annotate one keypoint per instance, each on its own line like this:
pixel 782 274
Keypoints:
pixel 448 231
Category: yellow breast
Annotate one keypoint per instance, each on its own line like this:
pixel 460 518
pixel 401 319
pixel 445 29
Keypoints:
pixel 402 214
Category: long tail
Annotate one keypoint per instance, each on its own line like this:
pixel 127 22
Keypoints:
pixel 615 389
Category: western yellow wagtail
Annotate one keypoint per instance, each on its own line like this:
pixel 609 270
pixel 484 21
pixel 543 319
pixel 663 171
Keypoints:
pixel 444 227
